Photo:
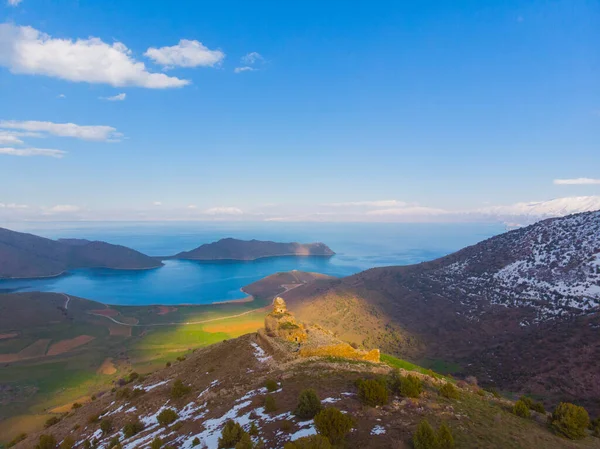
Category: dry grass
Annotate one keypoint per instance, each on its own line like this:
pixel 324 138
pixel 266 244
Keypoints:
pixel 68 345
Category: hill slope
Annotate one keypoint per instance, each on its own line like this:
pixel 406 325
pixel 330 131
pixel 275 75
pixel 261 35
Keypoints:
pixel 234 249
pixel 26 255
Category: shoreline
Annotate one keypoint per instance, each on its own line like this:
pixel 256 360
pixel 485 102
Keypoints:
pixel 224 259
pixel 245 299
pixel 62 273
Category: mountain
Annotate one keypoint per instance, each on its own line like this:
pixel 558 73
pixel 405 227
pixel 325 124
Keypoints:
pixel 534 291
pixel 234 249
pixel 28 256
pixel 249 387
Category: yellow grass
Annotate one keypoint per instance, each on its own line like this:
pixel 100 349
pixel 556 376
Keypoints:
pixel 11 427
pixel 107 367
pixel 69 406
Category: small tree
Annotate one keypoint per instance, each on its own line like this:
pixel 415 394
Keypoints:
pixel 270 404
pixel 309 404
pixel 271 385
pixel 46 442
pixel 570 420
pixel 444 437
pixel 179 390
pixel 196 441
pixel 310 442
pixel 156 443
pixel 253 429
pixel 449 391
pixel 231 434
pixel 333 424
pixel 245 442
pixel 411 386
pixel 372 393
pixel 106 426
pixel 538 407
pixel 167 416
pixel 51 421
pixel 520 409
pixel 425 437
pixel 67 443
pixel 132 428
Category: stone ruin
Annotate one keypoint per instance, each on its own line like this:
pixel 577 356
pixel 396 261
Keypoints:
pixel 312 340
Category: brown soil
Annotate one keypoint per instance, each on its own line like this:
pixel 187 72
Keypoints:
pixel 70 344
pixel 107 367
pixel 105 312
pixel 68 407
pixel 34 350
pixel 163 310
pixel 119 330
pixel 7 336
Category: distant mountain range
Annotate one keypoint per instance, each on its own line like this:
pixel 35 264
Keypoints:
pixel 520 310
pixel 234 249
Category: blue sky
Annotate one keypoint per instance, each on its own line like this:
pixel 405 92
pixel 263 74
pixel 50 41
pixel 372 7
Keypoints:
pixel 336 109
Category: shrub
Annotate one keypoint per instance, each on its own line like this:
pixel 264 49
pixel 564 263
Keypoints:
pixel 132 428
pixel 231 434
pixel 114 443
pixel 444 437
pixel 286 426
pixel 245 442
pixel 123 393
pixel 67 443
pixel 425 437
pixel 92 419
pixel 17 439
pixel 595 427
pixel 520 409
pixel 309 404
pixel 168 364
pixel 311 442
pixel 471 380
pixel 133 376
pixel 526 400
pixel 196 441
pixel 253 429
pixel 570 420
pixel 411 386
pixel 179 390
pixel 449 391
pixel 372 393
pixel 538 407
pixel 137 392
pixel 271 385
pixel 493 391
pixel 46 442
pixel 51 421
pixel 106 426
pixel 167 416
pixel 181 358
pixel 76 405
pixel 156 443
pixel 270 404
pixel 333 424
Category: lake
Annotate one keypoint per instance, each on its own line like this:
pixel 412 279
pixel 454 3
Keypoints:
pixel 358 246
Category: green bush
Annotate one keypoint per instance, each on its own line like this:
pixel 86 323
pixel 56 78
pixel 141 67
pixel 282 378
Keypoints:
pixel 595 427
pixel 271 385
pixel 51 421
pixel 76 405
pixel 527 401
pixel 570 420
pixel 114 443
pixel 132 428
pixel 67 443
pixel 493 391
pixel 425 437
pixel 449 391
pixel 156 443
pixel 411 386
pixel 444 437
pixel 372 393
pixel 309 404
pixel 231 434
pixel 133 376
pixel 167 416
pixel 270 404
pixel 538 407
pixel 179 390
pixel 286 426
pixel 333 424
pixel 17 439
pixel 123 393
pixel 245 442
pixel 46 442
pixel 253 429
pixel 520 409
pixel 106 426
pixel 196 441
pixel 310 442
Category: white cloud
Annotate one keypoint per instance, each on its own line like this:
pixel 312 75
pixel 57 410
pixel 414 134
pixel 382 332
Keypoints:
pixel 252 58
pixel 31 152
pixel 224 211
pixel 244 69
pixel 157 203
pixel 381 203
pixel 192 206
pixel 25 50
pixel 103 133
pixel 62 208
pixel 577 181
pixel 9 138
pixel 185 54
pixel 61 96
pixel 13 206
pixel 118 97
pixel 408 211
pixel 14 2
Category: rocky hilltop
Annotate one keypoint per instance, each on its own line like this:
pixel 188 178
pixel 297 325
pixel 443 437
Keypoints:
pixel 234 249
pixel 27 256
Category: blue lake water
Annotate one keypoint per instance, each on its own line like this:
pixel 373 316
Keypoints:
pixel 358 246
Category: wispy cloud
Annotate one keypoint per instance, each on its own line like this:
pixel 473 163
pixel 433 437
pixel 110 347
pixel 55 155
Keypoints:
pixel 223 211
pixel 14 2
pixel 63 208
pixel 157 203
pixel 61 96
pixel 26 152
pixel 13 206
pixel 249 60
pixel 118 97
pixel 9 138
pixel 244 69
pixel 380 203
pixel 186 53
pixel 100 133
pixel 577 181
pixel 25 50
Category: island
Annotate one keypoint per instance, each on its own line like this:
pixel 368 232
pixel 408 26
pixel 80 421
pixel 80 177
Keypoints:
pixel 247 250
pixel 25 255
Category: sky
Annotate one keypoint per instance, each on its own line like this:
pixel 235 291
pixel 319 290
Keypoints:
pixel 293 111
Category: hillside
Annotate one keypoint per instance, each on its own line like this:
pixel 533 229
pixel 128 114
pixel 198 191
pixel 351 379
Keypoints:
pixel 230 382
pixel 532 291
pixel 28 256
pixel 234 249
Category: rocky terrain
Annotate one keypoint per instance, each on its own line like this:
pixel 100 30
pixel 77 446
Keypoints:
pixel 28 256
pixel 234 249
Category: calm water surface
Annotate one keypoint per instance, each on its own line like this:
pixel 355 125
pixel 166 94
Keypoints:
pixel 358 247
